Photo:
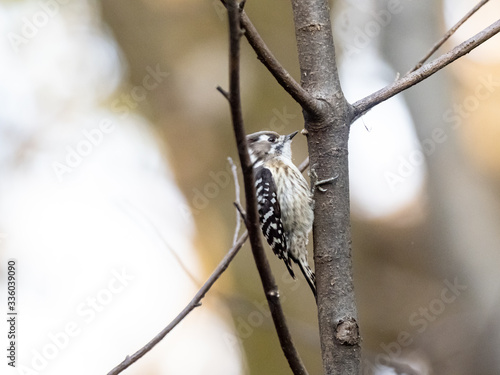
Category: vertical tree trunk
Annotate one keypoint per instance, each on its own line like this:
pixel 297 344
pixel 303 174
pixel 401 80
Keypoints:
pixel 328 134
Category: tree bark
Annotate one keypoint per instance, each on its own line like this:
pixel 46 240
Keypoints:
pixel 328 134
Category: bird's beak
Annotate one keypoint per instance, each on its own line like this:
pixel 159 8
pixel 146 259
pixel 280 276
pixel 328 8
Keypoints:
pixel 290 136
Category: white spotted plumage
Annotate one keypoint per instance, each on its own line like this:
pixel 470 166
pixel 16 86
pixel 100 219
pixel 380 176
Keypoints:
pixel 284 200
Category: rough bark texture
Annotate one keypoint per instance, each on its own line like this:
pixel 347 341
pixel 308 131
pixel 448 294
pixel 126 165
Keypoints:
pixel 328 134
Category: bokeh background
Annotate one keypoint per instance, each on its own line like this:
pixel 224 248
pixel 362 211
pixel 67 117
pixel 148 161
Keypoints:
pixel 116 193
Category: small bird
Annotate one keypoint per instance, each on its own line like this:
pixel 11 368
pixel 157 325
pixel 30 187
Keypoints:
pixel 284 200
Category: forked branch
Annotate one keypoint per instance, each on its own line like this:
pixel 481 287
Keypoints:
pixel 363 105
pixel 448 34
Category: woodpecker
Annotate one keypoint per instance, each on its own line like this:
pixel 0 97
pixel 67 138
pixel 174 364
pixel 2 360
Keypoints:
pixel 284 200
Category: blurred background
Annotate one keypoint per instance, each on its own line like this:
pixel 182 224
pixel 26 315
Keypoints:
pixel 116 193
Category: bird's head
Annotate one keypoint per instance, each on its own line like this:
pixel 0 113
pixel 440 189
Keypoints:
pixel 265 145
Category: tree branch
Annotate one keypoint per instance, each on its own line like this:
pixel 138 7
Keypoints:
pixel 302 167
pixel 446 36
pixel 252 222
pixel 239 213
pixel 363 105
pixel 195 302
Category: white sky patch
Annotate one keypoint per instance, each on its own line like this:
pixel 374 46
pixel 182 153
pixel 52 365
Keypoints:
pixel 87 203
pixel 387 168
pixel 386 163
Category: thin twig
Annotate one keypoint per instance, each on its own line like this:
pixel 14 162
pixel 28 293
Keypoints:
pixel 237 199
pixel 363 105
pixel 446 36
pixel 224 93
pixel 252 222
pixel 195 302
pixel 241 211
pixel 303 166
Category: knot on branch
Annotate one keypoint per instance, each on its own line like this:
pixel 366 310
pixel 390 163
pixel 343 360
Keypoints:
pixel 347 332
pixel 273 294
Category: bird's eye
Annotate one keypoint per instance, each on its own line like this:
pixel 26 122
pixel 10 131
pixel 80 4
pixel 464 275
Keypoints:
pixel 272 139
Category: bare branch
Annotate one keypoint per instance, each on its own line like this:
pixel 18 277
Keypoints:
pixel 241 211
pixel 363 105
pixel 237 202
pixel 303 166
pixel 252 222
pixel 195 302
pixel 224 93
pixel 446 36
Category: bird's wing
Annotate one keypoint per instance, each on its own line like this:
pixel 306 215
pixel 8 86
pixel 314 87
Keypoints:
pixel 270 215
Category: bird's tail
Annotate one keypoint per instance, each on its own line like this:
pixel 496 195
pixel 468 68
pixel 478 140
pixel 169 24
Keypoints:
pixel 308 273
